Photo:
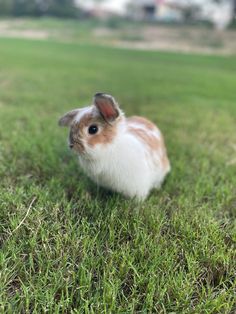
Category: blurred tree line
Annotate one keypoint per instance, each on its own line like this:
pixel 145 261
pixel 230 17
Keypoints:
pixel 59 8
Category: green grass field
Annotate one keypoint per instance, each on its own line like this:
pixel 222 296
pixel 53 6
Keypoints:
pixel 69 247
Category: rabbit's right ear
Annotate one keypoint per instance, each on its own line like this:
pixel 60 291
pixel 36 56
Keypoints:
pixel 67 119
pixel 107 106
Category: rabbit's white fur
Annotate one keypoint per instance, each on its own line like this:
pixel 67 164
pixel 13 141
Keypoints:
pixel 126 165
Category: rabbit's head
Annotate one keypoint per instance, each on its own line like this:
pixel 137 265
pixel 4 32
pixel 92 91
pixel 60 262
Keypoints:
pixel 94 126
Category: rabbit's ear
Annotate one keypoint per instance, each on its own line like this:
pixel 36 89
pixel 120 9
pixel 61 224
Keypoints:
pixel 67 119
pixel 107 106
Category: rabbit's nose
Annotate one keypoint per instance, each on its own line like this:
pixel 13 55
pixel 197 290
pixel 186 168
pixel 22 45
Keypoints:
pixel 71 146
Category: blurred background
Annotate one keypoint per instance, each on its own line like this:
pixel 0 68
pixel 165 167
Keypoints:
pixel 206 26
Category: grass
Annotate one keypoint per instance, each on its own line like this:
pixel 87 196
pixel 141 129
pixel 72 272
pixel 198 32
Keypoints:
pixel 68 247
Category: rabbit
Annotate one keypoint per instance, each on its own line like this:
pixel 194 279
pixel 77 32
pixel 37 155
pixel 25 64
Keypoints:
pixel 125 155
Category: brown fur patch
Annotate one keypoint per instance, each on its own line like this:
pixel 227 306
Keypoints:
pixel 154 143
pixel 79 132
pixel 151 141
pixel 165 161
pixel 105 136
pixel 85 121
pixel 142 121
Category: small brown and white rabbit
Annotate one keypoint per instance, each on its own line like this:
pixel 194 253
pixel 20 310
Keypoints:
pixel 126 155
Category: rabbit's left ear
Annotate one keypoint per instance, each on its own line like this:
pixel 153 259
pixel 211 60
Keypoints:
pixel 67 119
pixel 107 106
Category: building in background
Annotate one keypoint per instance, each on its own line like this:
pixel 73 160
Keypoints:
pixel 103 8
pixel 156 10
pixel 219 13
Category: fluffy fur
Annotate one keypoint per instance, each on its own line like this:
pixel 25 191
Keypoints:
pixel 126 155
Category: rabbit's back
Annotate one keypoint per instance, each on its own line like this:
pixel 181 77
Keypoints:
pixel 151 138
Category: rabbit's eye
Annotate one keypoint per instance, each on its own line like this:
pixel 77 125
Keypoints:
pixel 93 129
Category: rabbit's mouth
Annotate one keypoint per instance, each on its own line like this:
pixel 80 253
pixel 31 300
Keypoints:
pixel 77 146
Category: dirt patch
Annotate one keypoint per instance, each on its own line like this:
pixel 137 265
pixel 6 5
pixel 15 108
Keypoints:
pixel 30 34
pixel 9 29
pixel 179 39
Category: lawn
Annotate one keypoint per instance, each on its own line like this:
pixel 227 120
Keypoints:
pixel 69 247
